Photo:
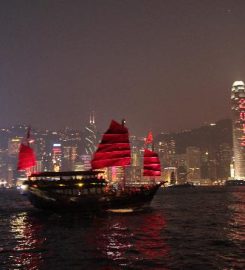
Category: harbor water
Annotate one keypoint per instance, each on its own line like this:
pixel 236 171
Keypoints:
pixel 184 228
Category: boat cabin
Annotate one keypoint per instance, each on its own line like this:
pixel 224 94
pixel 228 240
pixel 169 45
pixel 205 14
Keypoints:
pixel 67 175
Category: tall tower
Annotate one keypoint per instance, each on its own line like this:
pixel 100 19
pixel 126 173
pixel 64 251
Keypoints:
pixel 90 136
pixel 238 126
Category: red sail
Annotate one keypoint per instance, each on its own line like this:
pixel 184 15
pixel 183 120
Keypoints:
pixel 114 148
pixel 26 157
pixel 149 139
pixel 152 165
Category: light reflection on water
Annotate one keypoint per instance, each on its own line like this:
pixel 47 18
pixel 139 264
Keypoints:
pixel 141 241
pixel 237 222
pixel 27 253
pixel 201 229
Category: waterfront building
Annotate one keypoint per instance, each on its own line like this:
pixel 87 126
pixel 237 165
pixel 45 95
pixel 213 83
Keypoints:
pixel 209 163
pixel 56 157
pixel 193 162
pixel 69 157
pixel 13 151
pixel 86 162
pixel 170 175
pixel 224 161
pixel 181 168
pixel 167 152
pixel 3 167
pixel 13 146
pixel 238 126
pixel 71 145
pixel 78 166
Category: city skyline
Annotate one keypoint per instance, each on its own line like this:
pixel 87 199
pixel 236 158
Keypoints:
pixel 161 65
pixel 82 129
pixel 210 147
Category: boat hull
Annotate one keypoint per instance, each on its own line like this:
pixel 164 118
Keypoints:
pixel 185 185
pixel 53 201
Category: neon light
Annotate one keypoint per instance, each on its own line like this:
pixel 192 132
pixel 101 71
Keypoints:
pixel 242 103
pixel 243 143
pixel 243 128
pixel 242 116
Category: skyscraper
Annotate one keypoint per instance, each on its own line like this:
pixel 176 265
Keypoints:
pixel 193 162
pixel 90 136
pixel 56 157
pixel 238 125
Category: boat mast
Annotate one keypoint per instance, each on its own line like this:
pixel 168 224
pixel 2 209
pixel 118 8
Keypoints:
pixel 124 170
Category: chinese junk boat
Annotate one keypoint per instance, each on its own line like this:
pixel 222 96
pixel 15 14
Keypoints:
pixel 89 190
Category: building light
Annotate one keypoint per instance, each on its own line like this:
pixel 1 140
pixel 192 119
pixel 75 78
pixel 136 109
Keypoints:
pixel 238 119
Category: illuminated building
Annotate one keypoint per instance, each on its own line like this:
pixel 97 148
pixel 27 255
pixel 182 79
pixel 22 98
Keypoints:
pixel 167 152
pixel 13 151
pixel 13 146
pixel 224 160
pixel 193 162
pixel 56 157
pixel 238 125
pixel 181 168
pixel 211 163
pixel 170 175
pixel 69 157
pixel 41 154
pixel 133 173
pixel 90 136
pixel 86 162
pixel 71 143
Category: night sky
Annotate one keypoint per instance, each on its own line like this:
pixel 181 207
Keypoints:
pixel 163 65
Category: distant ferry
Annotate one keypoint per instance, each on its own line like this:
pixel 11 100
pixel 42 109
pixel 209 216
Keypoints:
pixel 184 185
pixel 235 183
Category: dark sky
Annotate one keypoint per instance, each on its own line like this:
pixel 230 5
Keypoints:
pixel 163 65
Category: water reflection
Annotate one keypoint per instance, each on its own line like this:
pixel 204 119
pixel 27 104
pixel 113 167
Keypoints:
pixel 150 238
pixel 108 242
pixel 237 221
pixel 203 229
pixel 135 240
pixel 117 242
pixel 27 252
